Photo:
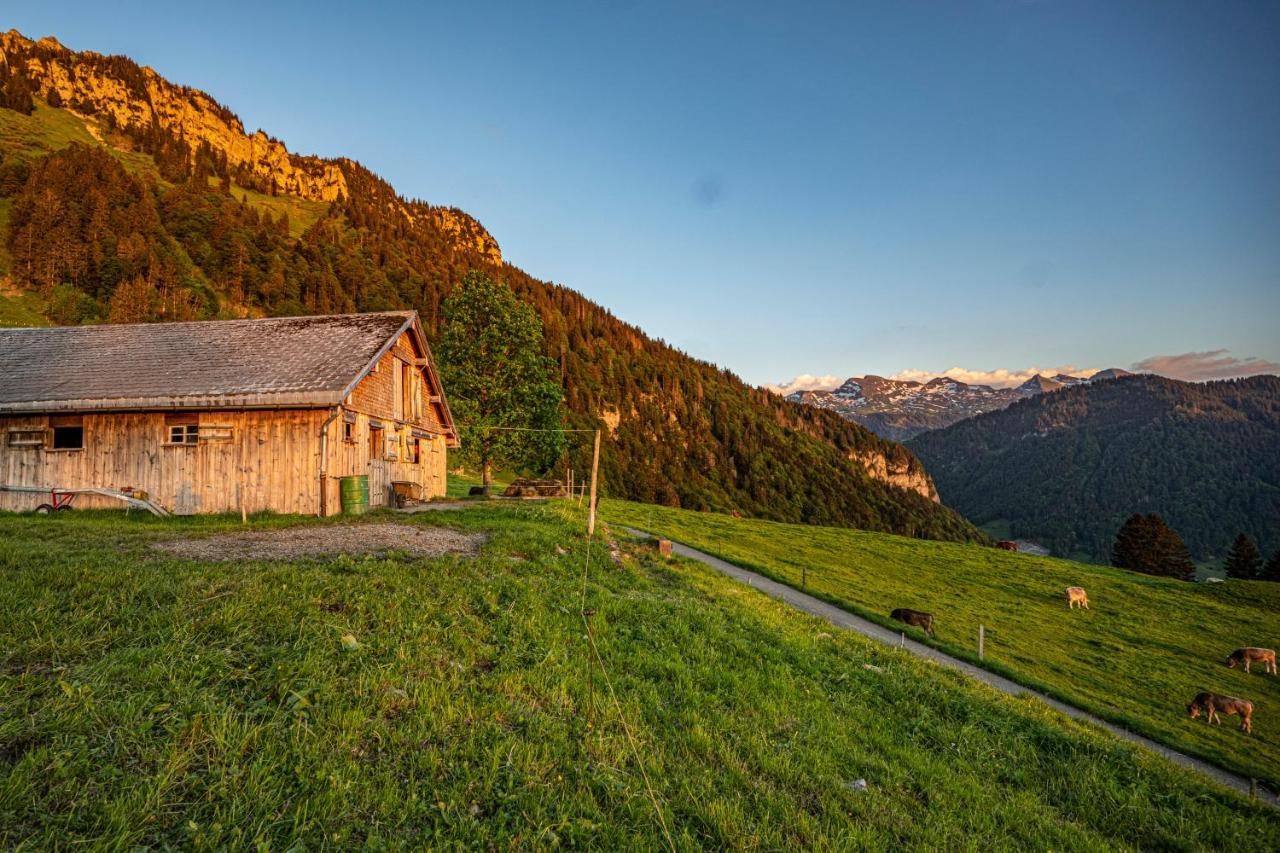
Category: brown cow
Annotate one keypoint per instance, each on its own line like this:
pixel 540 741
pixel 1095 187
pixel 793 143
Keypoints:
pixel 1249 654
pixel 1077 595
pixel 1212 703
pixel 923 621
pixel 1007 546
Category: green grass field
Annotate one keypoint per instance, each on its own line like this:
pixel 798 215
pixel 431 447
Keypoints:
pixel 23 309
pixel 164 702
pixel 1146 647
pixel 302 213
pixel 458 485
pixel 47 129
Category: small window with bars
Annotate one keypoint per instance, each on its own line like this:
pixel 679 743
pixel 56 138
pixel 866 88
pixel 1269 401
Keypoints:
pixel 184 434
pixel 26 437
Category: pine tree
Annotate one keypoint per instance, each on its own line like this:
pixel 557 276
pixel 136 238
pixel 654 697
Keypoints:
pixel 1146 544
pixel 1244 560
pixel 54 99
pixel 16 94
pixel 134 301
pixel 1271 572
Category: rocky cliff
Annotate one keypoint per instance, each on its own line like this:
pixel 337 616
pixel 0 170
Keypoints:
pixel 117 91
pixel 900 473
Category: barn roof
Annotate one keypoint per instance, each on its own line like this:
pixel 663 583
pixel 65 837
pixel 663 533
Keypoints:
pixel 272 363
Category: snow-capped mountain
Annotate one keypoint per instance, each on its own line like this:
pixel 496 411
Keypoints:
pixel 900 409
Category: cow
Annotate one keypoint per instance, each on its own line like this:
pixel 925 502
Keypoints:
pixel 1249 654
pixel 923 621
pixel 1007 546
pixel 1077 595
pixel 1212 703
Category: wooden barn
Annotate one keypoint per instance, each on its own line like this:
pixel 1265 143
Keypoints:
pixel 221 416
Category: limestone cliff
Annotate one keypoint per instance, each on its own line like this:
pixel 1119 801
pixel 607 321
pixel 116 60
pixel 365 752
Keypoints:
pixel 903 475
pixel 118 91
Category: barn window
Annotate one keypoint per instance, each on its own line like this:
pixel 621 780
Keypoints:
pixel 406 391
pixel 68 438
pixel 215 433
pixel 415 451
pixel 349 428
pixel 376 449
pixel 184 434
pixel 68 433
pixel 26 437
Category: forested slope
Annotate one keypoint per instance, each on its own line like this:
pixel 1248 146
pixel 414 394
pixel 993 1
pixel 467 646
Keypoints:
pixel 1066 468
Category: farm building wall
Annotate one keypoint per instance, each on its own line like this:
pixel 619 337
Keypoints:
pixel 395 401
pixel 278 450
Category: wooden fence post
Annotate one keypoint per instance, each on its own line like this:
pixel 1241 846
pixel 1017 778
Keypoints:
pixel 981 638
pixel 595 467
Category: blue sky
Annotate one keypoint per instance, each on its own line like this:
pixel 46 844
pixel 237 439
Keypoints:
pixel 795 188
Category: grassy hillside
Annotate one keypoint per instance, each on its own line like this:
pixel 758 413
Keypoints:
pixel 1146 647
pixel 152 700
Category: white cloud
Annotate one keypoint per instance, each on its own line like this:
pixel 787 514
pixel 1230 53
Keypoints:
pixel 1200 366
pixel 807 382
pixel 1000 377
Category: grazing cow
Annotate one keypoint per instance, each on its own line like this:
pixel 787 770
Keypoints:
pixel 1249 654
pixel 923 621
pixel 1212 703
pixel 1007 546
pixel 1077 595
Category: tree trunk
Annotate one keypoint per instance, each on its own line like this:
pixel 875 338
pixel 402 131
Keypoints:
pixel 486 464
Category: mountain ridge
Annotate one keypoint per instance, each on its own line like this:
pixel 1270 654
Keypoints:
pixel 900 409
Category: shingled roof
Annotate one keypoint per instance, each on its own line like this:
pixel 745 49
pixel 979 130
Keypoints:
pixel 277 362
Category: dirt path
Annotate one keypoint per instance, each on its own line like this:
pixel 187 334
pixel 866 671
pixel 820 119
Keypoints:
pixel 844 619
pixel 315 540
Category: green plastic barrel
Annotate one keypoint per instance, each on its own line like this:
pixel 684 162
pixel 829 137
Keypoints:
pixel 355 494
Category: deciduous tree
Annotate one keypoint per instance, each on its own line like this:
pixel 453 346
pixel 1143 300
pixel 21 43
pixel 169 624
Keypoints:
pixel 501 387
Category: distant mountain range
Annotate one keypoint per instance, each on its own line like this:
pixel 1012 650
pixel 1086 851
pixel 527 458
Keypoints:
pixel 1066 469
pixel 900 409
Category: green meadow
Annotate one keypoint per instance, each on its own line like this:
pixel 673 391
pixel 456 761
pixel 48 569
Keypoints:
pixel 1137 657
pixel 388 701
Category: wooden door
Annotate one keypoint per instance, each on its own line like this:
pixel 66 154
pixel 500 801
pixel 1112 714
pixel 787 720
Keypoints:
pixel 379 467
pixel 379 481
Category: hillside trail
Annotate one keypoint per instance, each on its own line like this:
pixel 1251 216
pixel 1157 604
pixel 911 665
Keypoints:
pixel 844 619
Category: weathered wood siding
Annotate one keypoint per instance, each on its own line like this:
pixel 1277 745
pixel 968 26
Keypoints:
pixel 397 395
pixel 353 457
pixel 278 450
